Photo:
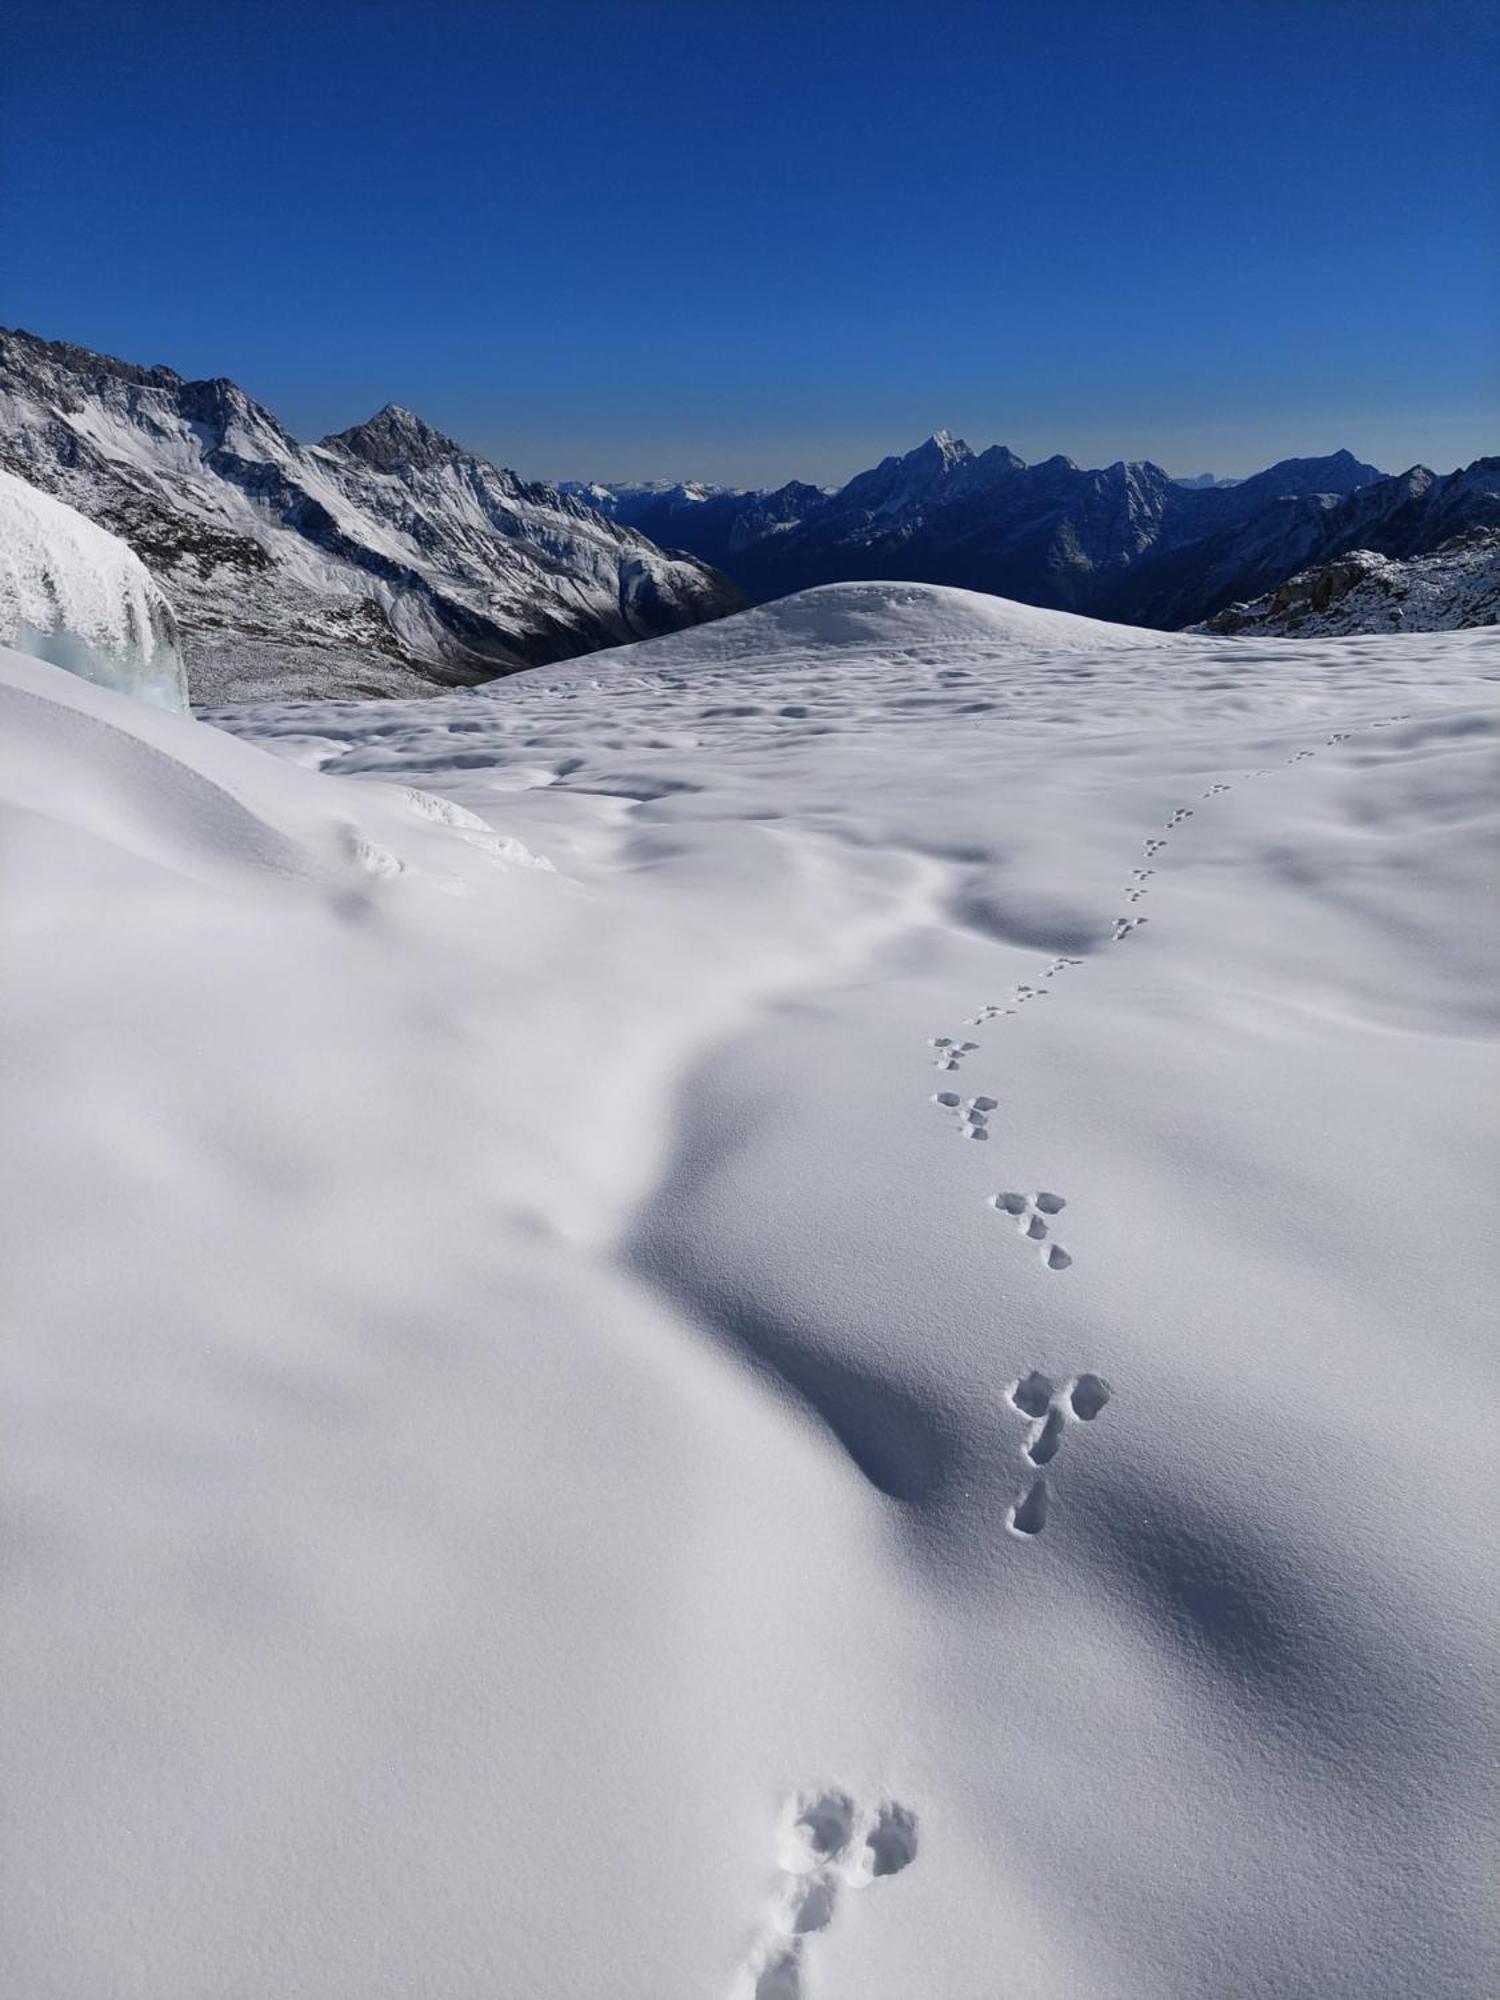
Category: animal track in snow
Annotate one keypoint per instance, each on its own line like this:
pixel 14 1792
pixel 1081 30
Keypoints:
pixel 950 1053
pixel 974 1120
pixel 1123 926
pixel 1031 1212
pixel 1182 813
pixel 1019 995
pixel 1029 1514
pixel 1049 1411
pixel 1153 847
pixel 1214 791
pixel 825 1844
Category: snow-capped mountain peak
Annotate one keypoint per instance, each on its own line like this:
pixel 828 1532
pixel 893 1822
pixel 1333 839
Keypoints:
pixel 393 438
pixel 386 559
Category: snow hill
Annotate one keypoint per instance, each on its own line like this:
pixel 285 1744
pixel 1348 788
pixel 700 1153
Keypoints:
pixel 1455 587
pixel 72 594
pixel 1124 542
pixel 880 1385
pixel 386 559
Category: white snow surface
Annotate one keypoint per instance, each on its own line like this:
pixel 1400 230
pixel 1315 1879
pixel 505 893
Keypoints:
pixel 526 1401
pixel 74 594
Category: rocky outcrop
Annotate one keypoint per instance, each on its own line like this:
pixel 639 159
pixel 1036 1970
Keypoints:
pixel 1454 588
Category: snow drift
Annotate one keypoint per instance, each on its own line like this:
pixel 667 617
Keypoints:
pixel 74 595
pixel 879 1386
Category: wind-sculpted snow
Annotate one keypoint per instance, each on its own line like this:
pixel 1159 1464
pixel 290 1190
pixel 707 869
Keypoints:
pixel 72 594
pixel 877 1385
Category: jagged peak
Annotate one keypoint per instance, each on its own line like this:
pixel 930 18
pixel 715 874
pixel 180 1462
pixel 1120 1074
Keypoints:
pixel 31 351
pixel 943 447
pixel 393 439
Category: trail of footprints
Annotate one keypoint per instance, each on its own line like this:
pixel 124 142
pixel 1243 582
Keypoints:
pixel 825 1845
pixel 972 1116
pixel 1035 1214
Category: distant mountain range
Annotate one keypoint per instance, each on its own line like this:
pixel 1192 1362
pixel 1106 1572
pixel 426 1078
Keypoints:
pixel 383 560
pixel 387 559
pixel 1127 542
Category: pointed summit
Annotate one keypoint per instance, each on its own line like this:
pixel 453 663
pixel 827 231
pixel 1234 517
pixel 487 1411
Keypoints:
pixel 393 439
pixel 941 449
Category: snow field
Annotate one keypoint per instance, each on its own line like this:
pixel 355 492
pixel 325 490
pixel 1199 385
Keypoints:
pixel 785 1409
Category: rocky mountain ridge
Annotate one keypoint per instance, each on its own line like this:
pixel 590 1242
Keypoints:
pixel 385 559
pixel 1455 588
pixel 1127 541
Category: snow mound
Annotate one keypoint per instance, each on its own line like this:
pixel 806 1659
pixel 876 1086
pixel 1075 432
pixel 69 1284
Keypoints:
pixel 76 595
pixel 80 765
pixel 890 617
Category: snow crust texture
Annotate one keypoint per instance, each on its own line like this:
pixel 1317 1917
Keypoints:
pixel 878 1384
pixel 74 595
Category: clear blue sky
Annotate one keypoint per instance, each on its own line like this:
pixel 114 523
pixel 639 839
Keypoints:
pixel 660 238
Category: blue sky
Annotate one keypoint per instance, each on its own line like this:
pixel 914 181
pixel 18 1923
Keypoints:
pixel 756 241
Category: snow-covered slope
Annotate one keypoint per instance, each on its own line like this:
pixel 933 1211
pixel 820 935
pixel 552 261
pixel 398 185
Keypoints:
pixel 385 559
pixel 836 619
pixel 74 595
pixel 1455 587
pixel 880 1388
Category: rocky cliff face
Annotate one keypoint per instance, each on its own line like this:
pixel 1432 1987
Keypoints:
pixel 384 560
pixel 1454 588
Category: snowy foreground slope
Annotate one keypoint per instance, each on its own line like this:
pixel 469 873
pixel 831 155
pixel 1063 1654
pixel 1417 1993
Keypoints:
pixel 518 1375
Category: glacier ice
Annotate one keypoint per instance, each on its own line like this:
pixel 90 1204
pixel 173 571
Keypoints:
pixel 77 596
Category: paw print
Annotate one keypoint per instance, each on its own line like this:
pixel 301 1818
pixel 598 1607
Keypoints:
pixel 1050 1411
pixel 1033 1217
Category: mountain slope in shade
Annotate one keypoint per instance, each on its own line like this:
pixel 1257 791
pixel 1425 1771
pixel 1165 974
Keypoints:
pixel 715 523
pixel 1054 534
pixel 1231 561
pixel 385 559
pixel 1454 589
pixel 1124 542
